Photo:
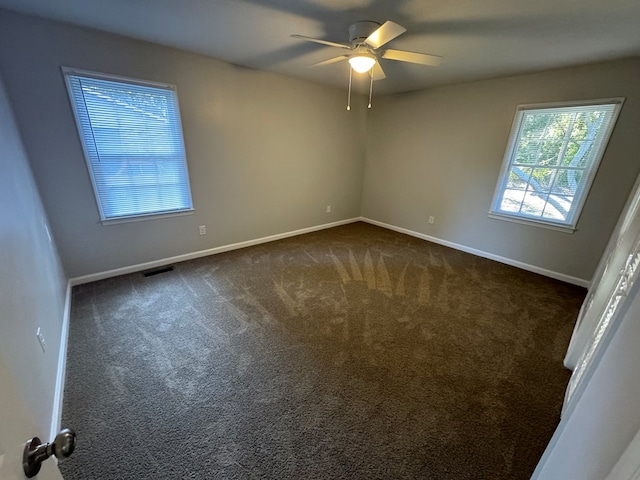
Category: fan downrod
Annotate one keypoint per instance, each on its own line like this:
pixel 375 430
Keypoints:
pixel 359 31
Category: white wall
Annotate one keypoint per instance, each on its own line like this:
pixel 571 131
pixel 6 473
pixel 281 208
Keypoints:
pixel 266 153
pixel 439 151
pixel 32 282
pixel 591 439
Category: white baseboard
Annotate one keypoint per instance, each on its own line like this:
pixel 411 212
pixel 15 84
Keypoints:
pixel 234 246
pixel 480 253
pixel 203 253
pixel 56 416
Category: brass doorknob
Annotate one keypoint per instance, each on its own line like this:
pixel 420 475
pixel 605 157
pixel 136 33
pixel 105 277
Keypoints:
pixel 36 452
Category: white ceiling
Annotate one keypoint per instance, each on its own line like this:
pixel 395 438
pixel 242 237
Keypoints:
pixel 477 38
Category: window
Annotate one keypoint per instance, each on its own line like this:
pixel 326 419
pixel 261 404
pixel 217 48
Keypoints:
pixel 552 156
pixel 133 145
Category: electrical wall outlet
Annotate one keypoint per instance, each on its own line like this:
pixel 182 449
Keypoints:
pixel 328 208
pixel 40 337
pixel 431 220
pixel 203 229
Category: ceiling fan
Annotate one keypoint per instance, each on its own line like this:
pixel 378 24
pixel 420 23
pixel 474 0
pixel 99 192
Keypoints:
pixel 366 40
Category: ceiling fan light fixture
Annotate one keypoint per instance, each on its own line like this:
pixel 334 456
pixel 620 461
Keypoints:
pixel 362 62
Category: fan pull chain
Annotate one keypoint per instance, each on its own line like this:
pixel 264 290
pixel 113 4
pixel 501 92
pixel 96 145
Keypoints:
pixel 349 96
pixel 370 88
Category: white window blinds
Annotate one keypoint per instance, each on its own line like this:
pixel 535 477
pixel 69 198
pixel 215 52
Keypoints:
pixel 551 159
pixel 132 138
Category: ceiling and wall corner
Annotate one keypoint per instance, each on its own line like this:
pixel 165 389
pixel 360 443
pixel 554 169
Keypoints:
pixel 438 153
pixel 268 152
pixel 478 40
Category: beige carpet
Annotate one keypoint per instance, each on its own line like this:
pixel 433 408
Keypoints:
pixel 350 353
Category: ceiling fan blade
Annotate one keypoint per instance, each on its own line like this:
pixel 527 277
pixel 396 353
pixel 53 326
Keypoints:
pixel 378 73
pixel 323 42
pixel 412 57
pixel 384 34
pixel 331 60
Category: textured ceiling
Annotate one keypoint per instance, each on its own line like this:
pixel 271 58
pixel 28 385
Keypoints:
pixel 478 39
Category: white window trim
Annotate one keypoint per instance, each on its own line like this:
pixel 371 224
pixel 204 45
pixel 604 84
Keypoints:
pixel 147 216
pixel 532 221
pixel 117 78
pixel 66 71
pixel 514 135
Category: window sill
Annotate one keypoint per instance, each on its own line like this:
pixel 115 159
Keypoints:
pixel 147 216
pixel 532 222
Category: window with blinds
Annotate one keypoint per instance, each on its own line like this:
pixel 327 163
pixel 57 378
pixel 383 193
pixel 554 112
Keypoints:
pixel 132 139
pixel 551 159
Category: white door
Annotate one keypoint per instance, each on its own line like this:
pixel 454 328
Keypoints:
pixel 16 427
pixel 605 278
pixel 619 268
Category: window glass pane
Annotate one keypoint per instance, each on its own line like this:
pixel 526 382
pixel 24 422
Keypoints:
pixel 557 208
pixel 550 152
pixel 512 200
pixel 535 125
pixel 533 203
pixel 580 130
pixel 583 155
pixel 519 178
pixel 542 179
pixel 567 182
pixel 528 152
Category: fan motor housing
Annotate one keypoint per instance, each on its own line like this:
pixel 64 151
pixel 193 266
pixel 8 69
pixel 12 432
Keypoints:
pixel 359 31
